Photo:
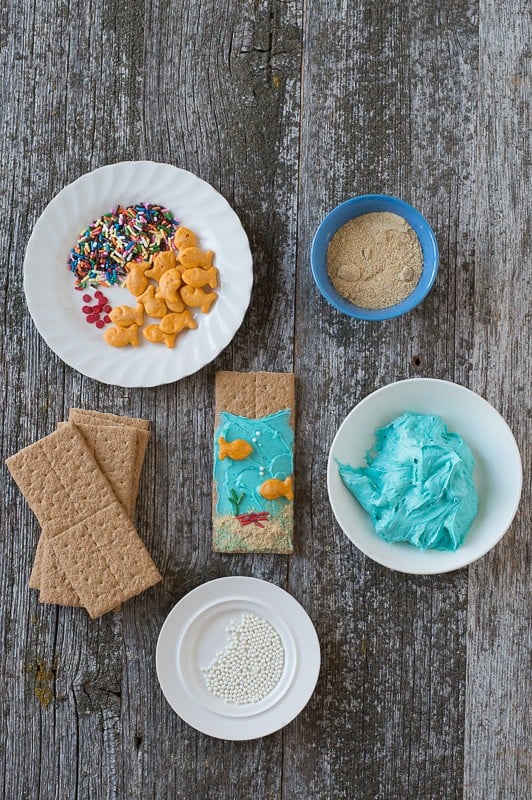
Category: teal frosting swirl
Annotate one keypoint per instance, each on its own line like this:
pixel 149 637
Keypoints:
pixel 418 485
pixel 272 439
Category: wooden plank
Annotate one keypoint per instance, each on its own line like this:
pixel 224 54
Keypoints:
pixel 229 111
pixel 52 126
pixel 497 730
pixel 383 87
pixel 215 90
pixel 389 104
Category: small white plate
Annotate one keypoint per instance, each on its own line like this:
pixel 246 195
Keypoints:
pixel 497 475
pixel 55 305
pixel 195 630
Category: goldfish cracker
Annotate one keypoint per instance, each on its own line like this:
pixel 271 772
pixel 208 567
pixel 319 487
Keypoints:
pixel 185 238
pixel 174 323
pixel 125 315
pixel 237 450
pixel 120 337
pixel 198 277
pixel 136 280
pixel 169 286
pixel 195 257
pixel 197 298
pixel 273 488
pixel 153 306
pixel 161 263
pixel 153 333
pixel 178 306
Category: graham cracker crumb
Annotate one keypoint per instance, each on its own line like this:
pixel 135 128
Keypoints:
pixel 275 536
pixel 375 260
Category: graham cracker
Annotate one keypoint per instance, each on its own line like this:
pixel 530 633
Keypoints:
pixel 35 576
pixel 142 443
pixel 253 395
pixel 141 426
pixel 54 586
pixel 70 496
pixel 105 560
pixel 103 418
pixel 115 450
pixel 118 445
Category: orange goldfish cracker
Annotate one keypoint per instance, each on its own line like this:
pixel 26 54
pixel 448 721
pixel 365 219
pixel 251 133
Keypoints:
pixel 198 277
pixel 274 488
pixel 197 298
pixel 120 337
pixel 136 280
pixel 237 450
pixel 174 323
pixel 162 262
pixel 195 257
pixel 185 238
pixel 169 286
pixel 178 306
pixel 125 315
pixel 153 306
pixel 153 333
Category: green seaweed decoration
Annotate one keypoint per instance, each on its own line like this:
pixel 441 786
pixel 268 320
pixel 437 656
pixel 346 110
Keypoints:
pixel 235 500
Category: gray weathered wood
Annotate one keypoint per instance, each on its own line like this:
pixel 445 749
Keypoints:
pixel 287 108
pixel 497 720
pixel 390 706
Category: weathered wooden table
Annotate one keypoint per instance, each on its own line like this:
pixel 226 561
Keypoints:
pixel 287 108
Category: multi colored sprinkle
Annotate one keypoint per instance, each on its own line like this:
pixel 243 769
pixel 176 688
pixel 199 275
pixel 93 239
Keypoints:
pixel 107 245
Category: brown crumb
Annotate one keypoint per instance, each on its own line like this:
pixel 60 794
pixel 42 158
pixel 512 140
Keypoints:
pixel 375 260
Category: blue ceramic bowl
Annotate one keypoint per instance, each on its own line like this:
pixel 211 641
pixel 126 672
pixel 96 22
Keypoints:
pixel 355 207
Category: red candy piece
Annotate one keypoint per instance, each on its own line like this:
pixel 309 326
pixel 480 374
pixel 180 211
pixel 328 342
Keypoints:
pixel 93 318
pixel 86 298
pixel 107 308
pixel 107 318
pixel 100 323
pixel 86 309
pixel 98 295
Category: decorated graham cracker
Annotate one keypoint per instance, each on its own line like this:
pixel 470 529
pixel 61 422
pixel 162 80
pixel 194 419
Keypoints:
pixel 253 492
pixel 95 543
pixel 115 450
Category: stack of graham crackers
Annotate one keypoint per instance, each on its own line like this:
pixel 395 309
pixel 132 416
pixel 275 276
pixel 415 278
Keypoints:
pixel 81 482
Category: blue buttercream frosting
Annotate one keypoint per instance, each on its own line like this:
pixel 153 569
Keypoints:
pixel 272 439
pixel 418 485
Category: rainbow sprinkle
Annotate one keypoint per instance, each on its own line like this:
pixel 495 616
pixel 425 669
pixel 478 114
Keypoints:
pixel 107 245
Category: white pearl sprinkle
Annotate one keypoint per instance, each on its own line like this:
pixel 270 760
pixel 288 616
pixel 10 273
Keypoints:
pixel 254 440
pixel 251 665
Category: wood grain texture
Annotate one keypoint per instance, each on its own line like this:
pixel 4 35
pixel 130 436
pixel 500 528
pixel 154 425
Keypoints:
pixel 387 720
pixel 497 732
pixel 286 107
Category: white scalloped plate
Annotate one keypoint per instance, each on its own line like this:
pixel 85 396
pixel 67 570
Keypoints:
pixel 55 305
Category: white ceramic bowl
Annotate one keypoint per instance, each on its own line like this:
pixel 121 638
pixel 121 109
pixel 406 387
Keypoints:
pixel 497 476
